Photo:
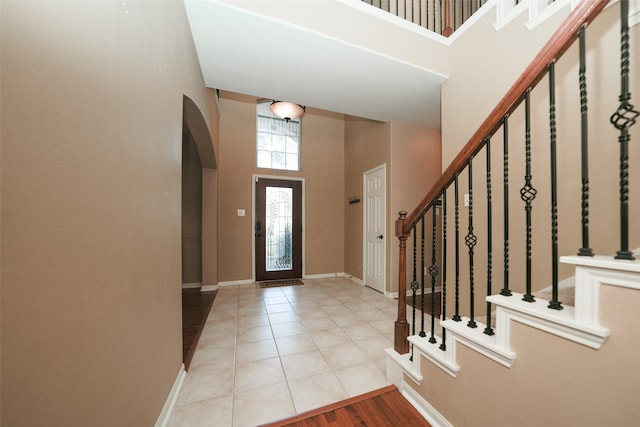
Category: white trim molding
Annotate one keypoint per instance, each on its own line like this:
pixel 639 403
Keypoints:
pixel 207 288
pixel 435 418
pixel 445 360
pixel 169 404
pixel 323 276
pixel 397 364
pixel 236 282
pixel 537 315
pixel 193 285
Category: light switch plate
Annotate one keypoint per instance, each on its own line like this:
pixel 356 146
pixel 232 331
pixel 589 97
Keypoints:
pixel 240 212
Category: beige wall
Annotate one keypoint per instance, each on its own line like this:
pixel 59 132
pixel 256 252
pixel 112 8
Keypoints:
pixel 475 84
pixel 367 145
pixel 416 165
pixel 566 384
pixel 92 98
pixel 412 156
pixel 322 167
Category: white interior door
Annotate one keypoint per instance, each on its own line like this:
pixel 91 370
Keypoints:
pixel 374 221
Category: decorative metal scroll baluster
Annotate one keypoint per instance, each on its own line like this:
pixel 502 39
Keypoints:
pixel 443 313
pixel 505 184
pixel 554 303
pixel 585 250
pixel 414 286
pixel 471 240
pixel 488 329
pixel 433 272
pixel 456 317
pixel 422 267
pixel 528 194
pixel 624 117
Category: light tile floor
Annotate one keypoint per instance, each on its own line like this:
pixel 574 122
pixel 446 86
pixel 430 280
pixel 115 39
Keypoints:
pixel 268 354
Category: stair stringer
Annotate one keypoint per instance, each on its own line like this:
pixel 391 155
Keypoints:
pixel 580 324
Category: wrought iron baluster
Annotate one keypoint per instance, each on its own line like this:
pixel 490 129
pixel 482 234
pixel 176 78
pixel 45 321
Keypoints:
pixel 505 185
pixel 528 194
pixel 434 16
pixel 554 303
pixel 422 270
pixel 433 272
pixel 585 250
pixel 443 310
pixel 456 317
pixel 414 286
pixel 471 240
pixel 441 28
pixel 624 117
pixel 488 329
pixel 455 15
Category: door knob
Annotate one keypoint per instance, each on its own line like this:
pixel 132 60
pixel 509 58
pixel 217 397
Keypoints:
pixel 379 237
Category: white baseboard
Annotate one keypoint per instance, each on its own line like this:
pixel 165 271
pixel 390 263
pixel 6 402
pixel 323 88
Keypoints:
pixel 236 282
pixel 355 279
pixel 191 285
pixel 206 288
pixel 323 276
pixel 167 409
pixel 425 409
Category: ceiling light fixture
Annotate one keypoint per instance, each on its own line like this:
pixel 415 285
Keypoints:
pixel 287 110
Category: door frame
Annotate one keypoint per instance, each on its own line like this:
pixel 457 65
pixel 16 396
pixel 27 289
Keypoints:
pixel 254 180
pixel 382 167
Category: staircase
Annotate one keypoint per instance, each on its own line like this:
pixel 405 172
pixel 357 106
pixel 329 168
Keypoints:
pixel 493 241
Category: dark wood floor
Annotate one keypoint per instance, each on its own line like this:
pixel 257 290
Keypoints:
pixel 380 408
pixel 195 309
pixel 427 302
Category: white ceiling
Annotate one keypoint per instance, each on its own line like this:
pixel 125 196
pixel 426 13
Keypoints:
pixel 244 51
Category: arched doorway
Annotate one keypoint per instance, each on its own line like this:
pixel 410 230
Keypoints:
pixel 199 197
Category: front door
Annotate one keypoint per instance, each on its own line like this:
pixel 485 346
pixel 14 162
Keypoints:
pixel 375 220
pixel 278 229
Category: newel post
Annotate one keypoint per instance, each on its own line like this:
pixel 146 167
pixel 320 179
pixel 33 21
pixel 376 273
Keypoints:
pixel 401 332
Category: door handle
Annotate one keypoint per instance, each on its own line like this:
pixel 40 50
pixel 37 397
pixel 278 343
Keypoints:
pixel 379 237
pixel 258 227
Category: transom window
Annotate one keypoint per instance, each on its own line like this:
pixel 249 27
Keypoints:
pixel 278 141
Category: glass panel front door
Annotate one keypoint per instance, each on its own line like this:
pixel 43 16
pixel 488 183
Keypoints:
pixel 278 229
pixel 278 222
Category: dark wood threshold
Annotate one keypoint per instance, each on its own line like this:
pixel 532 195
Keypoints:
pixel 382 407
pixel 195 309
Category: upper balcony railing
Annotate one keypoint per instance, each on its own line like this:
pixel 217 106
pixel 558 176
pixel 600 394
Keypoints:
pixel 440 16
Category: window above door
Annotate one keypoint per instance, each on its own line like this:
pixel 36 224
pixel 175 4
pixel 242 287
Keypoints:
pixel 277 140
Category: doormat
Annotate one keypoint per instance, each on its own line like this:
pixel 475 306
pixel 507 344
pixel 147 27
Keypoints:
pixel 276 283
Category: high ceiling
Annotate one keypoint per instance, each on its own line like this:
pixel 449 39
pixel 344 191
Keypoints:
pixel 260 53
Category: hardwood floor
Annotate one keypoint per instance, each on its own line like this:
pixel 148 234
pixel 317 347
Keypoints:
pixel 427 302
pixel 380 408
pixel 195 309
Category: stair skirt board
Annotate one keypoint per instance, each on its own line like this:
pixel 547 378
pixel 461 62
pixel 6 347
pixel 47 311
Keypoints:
pixel 397 364
pixel 423 407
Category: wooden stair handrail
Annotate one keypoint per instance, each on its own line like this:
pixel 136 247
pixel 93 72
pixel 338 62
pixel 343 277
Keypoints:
pixel 582 15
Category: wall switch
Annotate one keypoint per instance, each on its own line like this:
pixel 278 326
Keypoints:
pixel 240 212
pixel 466 200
